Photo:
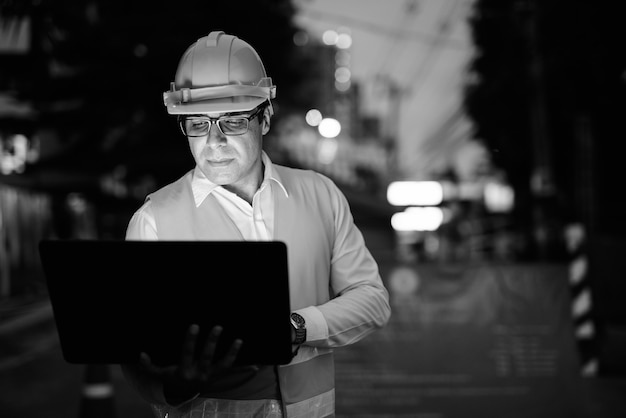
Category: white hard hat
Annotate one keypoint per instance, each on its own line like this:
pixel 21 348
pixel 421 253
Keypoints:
pixel 219 73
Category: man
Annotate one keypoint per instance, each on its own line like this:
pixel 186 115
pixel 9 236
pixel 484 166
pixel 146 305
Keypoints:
pixel 222 98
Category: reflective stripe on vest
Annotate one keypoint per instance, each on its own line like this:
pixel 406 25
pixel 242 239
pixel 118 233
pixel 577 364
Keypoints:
pixel 222 408
pixel 319 406
pixel 306 380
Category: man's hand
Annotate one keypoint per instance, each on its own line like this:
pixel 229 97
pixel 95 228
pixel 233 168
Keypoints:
pixel 191 376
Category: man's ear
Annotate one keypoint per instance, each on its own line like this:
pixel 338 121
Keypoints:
pixel 265 123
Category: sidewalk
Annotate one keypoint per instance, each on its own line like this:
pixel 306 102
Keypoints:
pixel 26 330
pixel 35 380
pixel 463 346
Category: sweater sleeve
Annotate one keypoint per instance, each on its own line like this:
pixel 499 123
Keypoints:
pixel 361 302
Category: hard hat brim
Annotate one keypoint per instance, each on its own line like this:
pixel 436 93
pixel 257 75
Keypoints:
pixel 218 99
pixel 225 105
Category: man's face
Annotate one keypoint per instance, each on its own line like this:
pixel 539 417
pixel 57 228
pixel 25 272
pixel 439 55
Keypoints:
pixel 232 161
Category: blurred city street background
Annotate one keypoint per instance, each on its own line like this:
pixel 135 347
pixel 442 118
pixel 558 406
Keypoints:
pixel 476 141
pixel 465 339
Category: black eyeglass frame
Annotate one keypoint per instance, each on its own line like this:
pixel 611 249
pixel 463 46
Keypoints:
pixel 183 118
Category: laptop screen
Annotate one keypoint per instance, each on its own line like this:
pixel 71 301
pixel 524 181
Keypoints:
pixel 113 300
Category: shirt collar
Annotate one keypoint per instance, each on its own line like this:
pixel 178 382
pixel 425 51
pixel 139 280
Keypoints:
pixel 203 187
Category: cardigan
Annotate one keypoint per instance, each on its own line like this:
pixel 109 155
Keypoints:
pixel 333 277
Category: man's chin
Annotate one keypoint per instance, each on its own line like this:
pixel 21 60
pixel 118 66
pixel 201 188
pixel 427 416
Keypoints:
pixel 221 179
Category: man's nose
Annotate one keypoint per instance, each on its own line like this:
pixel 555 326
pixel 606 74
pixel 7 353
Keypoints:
pixel 215 137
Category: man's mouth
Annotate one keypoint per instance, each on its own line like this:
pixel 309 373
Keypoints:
pixel 220 162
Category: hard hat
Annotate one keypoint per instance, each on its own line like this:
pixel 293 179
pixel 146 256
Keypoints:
pixel 219 73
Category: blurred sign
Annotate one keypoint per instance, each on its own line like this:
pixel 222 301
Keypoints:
pixel 417 219
pixel 415 193
pixel 473 341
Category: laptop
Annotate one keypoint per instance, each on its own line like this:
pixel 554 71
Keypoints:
pixel 112 300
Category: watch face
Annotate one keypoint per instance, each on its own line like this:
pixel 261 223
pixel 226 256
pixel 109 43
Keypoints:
pixel 297 320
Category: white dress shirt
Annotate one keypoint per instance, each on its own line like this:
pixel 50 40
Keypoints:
pixel 255 222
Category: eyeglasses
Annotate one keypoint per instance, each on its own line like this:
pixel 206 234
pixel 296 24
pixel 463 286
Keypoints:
pixel 199 125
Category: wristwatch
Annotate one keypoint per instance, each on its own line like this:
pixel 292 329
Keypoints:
pixel 299 325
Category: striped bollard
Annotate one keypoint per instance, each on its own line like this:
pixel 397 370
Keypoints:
pixel 582 301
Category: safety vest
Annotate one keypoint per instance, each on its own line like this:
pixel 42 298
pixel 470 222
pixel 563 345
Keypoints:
pixel 304 221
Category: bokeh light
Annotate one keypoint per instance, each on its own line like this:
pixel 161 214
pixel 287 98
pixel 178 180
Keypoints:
pixel 342 74
pixel 343 87
pixel 330 37
pixel 313 117
pixel 300 38
pixel 329 128
pixel 344 41
pixel 342 58
pixel 327 151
